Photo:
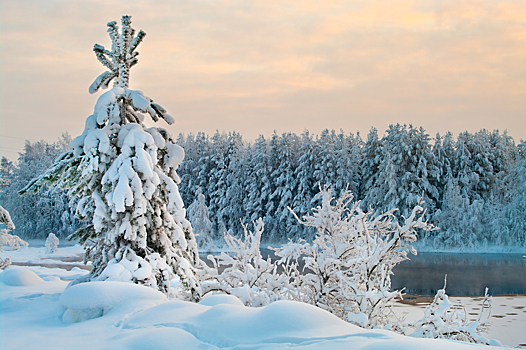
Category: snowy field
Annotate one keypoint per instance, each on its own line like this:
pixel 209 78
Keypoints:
pixel 36 309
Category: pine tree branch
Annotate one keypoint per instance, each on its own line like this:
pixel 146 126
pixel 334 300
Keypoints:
pixel 101 53
pixel 136 41
pixel 102 80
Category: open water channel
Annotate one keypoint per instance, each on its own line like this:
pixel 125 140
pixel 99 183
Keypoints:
pixel 468 274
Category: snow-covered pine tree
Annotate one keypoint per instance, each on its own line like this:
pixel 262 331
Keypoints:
pixel 257 180
pixel 125 176
pixel 517 196
pixel 325 164
pixel 51 243
pixel 201 224
pixel 233 210
pixel 285 182
pixel 371 159
pixel 348 159
pixel 203 166
pixel 443 152
pixel 307 186
pixel 185 169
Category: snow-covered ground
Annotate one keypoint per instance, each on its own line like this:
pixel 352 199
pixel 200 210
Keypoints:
pixel 36 255
pixel 34 309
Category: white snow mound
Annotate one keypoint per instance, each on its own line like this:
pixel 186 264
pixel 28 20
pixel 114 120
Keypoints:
pixel 89 300
pixel 19 277
pixel 218 299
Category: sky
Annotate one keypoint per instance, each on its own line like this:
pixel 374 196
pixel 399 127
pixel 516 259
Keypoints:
pixel 262 66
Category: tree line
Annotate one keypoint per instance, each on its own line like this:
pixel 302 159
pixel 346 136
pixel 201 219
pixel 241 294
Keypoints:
pixel 473 186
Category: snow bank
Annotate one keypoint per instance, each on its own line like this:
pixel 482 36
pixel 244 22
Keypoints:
pixel 19 277
pixel 217 299
pixel 85 301
pixel 142 318
pixel 280 325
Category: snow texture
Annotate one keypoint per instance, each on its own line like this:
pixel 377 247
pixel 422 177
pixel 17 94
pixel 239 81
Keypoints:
pixel 94 299
pixel 123 315
pixel 19 277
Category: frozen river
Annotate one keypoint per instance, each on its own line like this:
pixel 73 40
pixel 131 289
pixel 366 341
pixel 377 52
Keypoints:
pixel 467 274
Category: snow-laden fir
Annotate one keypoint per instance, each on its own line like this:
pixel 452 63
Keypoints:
pixel 125 176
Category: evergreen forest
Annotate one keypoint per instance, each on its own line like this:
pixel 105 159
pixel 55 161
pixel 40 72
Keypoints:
pixel 473 185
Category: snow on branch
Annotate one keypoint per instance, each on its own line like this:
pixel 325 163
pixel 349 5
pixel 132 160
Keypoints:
pixel 7 239
pixel 121 58
pixel 443 320
pixel 246 274
pixel 348 266
pixel 125 176
pixel 5 218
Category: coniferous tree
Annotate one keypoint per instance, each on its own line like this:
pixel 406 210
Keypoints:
pixel 371 159
pixel 185 170
pixel 50 210
pixel 307 185
pixel 257 181
pixel 218 182
pixel 515 210
pixel 200 219
pixel 125 176
pixel 285 183
pixel 233 210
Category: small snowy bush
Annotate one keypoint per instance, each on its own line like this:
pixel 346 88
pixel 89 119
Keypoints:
pixel 246 274
pixel 348 266
pixel 443 320
pixel 51 243
pixel 7 239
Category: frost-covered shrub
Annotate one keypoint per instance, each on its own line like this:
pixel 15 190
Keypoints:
pixel 348 266
pixel 443 320
pixel 125 176
pixel 7 239
pixel 51 243
pixel 246 274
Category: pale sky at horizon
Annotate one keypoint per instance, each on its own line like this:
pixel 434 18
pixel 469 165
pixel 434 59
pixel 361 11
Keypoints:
pixel 259 66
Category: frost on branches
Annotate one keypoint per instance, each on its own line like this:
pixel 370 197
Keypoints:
pixel 125 176
pixel 51 243
pixel 443 320
pixel 7 239
pixel 246 274
pixel 348 266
